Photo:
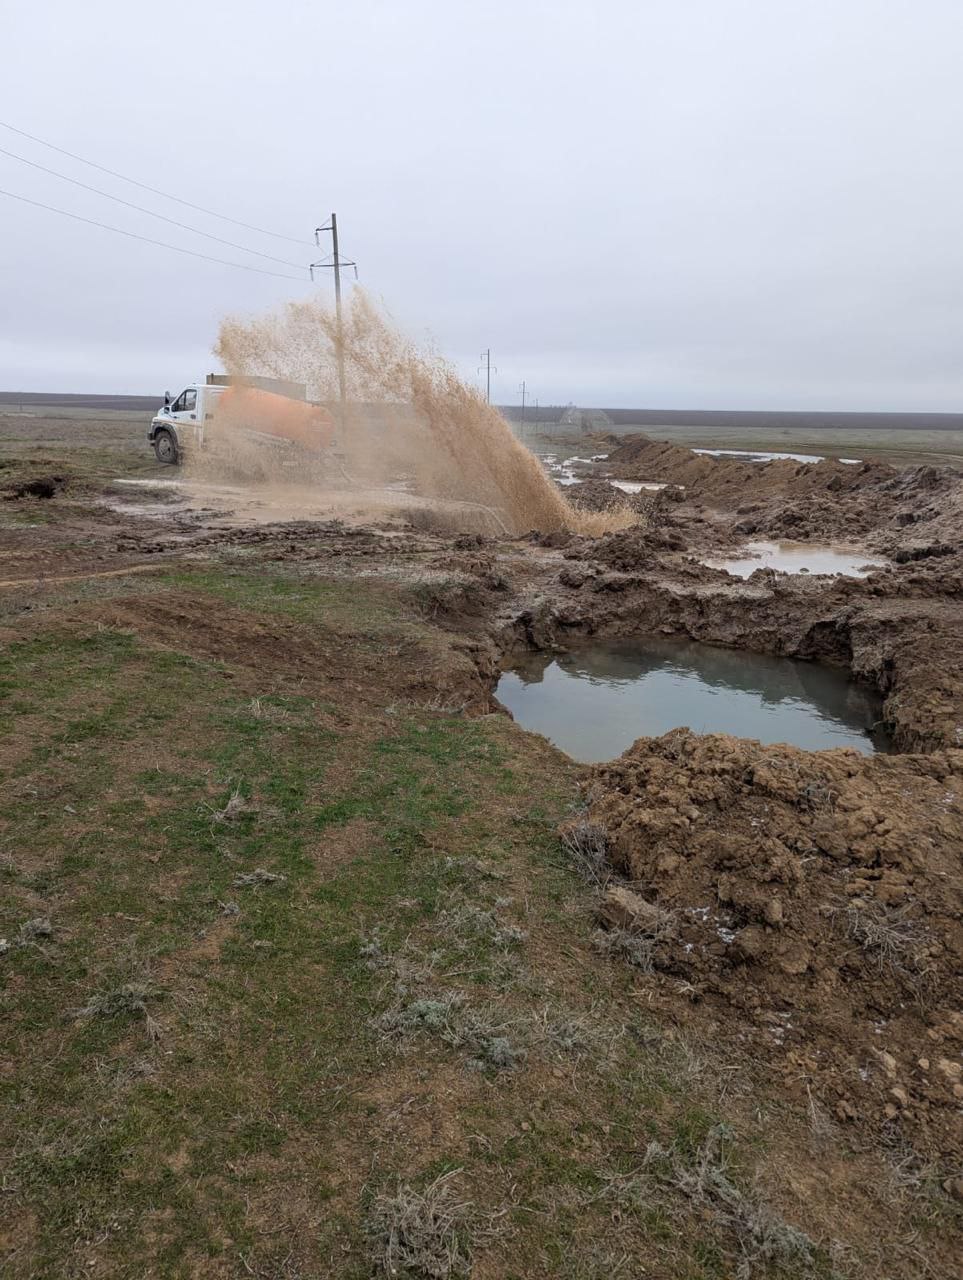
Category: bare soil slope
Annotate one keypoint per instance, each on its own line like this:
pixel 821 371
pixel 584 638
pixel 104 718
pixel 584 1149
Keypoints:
pixel 813 920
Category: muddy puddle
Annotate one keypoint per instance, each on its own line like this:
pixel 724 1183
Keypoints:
pixel 797 557
pixel 570 470
pixel 637 486
pixel 193 499
pixel 595 701
pixel 575 469
pixel 767 455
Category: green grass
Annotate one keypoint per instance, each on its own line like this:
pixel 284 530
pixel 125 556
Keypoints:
pixel 228 1101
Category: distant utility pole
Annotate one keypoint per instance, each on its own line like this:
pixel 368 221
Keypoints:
pixel 486 364
pixel 337 262
pixel 524 393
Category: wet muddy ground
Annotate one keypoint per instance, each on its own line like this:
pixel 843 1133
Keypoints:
pixel 801 909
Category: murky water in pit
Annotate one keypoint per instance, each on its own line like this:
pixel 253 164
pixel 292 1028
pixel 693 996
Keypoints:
pixel 796 557
pixel 593 702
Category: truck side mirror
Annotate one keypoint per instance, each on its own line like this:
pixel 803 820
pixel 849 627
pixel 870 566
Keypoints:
pixel 167 399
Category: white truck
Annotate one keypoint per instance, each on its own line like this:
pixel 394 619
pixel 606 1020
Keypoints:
pixel 265 409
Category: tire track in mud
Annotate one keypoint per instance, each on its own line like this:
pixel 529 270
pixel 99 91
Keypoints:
pixel 43 580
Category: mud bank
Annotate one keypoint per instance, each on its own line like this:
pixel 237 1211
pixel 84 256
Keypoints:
pixel 918 507
pixel 804 916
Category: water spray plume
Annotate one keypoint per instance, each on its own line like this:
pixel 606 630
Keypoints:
pixel 407 414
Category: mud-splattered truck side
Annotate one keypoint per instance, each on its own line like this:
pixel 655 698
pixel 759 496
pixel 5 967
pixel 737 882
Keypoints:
pixel 265 409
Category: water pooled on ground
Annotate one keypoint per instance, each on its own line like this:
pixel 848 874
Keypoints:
pixel 768 455
pixel 797 557
pixel 636 486
pixel 595 701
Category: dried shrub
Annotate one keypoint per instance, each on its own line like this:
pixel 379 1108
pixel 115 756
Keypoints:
pixel 475 1032
pixel 586 846
pixel 703 1179
pixel 893 938
pixel 636 947
pixel 426 1233
pixel 258 879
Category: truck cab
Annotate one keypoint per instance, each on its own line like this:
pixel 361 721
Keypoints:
pixel 179 426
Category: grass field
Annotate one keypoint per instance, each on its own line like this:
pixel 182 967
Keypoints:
pixel 902 446
pixel 269 958
pixel 299 980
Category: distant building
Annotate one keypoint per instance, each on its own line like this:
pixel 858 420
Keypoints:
pixel 585 419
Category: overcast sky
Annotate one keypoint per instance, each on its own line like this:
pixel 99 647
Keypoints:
pixel 656 203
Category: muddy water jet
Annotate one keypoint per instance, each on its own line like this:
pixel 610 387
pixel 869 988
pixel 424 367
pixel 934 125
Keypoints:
pixel 595 701
pixel 408 411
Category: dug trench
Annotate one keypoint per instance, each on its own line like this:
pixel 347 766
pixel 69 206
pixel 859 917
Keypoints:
pixel 300 916
pixel 808 903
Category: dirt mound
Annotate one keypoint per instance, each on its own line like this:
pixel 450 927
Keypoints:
pixel 630 549
pixel 807 500
pixel 796 894
pixel 37 487
pixel 599 495
pixel 725 479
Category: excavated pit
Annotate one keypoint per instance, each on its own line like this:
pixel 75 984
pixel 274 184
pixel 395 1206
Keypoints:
pixel 595 700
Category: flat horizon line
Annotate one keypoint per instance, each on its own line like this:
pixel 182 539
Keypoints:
pixel 938 419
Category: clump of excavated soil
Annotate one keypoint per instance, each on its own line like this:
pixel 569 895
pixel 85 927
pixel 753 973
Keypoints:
pixel 634 548
pixel 599 495
pixel 816 913
pixel 44 486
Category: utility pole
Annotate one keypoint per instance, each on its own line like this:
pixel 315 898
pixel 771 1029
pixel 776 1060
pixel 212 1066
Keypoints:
pixel 337 263
pixel 523 391
pixel 486 364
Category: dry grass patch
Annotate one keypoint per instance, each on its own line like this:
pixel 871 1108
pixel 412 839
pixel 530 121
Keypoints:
pixel 586 847
pixel 430 1233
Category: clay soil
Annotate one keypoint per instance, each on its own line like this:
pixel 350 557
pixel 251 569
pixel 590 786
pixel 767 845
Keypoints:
pixel 800 993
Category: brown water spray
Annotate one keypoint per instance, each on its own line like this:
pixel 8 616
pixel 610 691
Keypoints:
pixel 408 413
pixel 407 416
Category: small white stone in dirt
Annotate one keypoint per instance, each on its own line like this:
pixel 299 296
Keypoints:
pixel 887 1061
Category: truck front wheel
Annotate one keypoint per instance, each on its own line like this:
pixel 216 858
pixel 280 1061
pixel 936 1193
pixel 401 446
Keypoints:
pixel 165 447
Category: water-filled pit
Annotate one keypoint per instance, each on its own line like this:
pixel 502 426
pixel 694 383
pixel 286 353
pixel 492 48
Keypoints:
pixel 796 557
pixel 594 701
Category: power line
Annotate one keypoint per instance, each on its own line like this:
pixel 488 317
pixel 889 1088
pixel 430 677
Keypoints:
pixel 132 235
pixel 486 364
pixel 145 187
pixel 140 209
pixel 337 263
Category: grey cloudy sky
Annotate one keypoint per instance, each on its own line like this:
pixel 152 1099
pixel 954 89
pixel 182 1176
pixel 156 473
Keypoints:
pixel 661 203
